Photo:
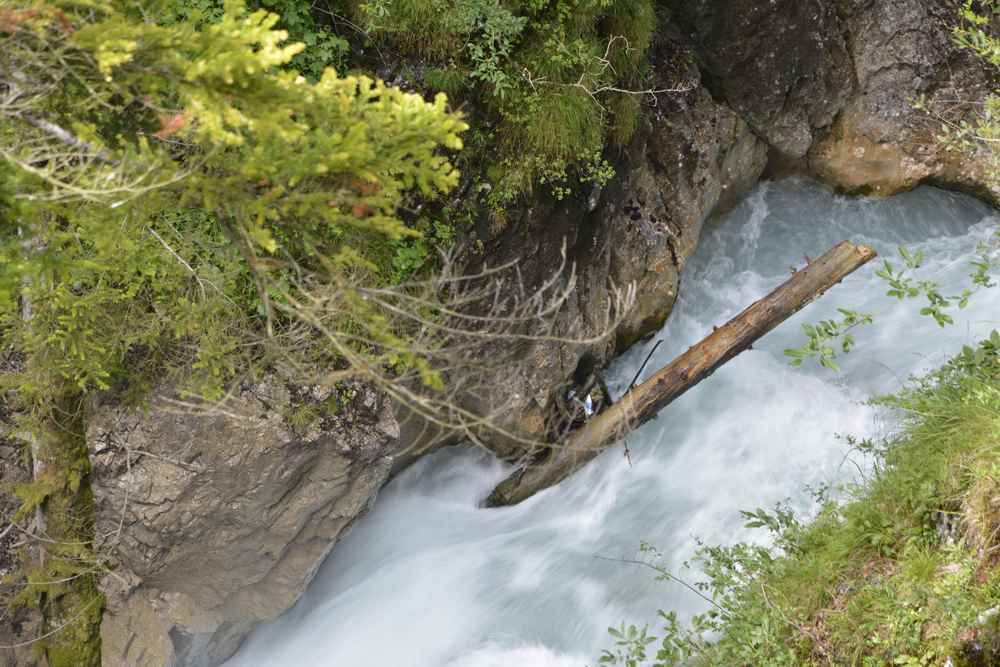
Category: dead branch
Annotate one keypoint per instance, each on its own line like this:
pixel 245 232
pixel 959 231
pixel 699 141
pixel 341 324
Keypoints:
pixel 588 78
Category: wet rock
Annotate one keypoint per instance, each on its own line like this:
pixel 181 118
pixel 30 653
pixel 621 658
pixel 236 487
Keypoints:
pixel 782 65
pixel 214 521
pixel 881 143
pixel 831 86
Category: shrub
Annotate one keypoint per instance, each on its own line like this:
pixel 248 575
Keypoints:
pixel 544 69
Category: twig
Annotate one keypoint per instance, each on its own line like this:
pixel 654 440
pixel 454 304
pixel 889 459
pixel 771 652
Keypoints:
pixel 181 260
pixel 66 137
pixel 666 574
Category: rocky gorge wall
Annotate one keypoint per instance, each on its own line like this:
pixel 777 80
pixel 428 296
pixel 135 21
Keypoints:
pixel 215 522
pixel 219 521
pixel 832 85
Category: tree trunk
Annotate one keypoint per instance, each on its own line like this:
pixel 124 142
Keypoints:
pixel 643 402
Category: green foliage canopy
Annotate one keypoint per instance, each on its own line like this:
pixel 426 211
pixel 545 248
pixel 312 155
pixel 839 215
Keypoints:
pixel 558 79
pixel 170 187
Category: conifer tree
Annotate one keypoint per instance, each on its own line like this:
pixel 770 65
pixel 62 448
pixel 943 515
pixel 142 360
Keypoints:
pixel 177 204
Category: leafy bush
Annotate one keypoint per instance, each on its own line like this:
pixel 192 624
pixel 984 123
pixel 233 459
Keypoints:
pixel 545 68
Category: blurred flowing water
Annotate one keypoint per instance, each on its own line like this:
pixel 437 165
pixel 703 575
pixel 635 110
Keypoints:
pixel 429 579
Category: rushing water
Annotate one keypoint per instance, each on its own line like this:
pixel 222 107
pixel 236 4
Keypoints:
pixel 429 579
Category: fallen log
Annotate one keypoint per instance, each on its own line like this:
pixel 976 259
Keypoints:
pixel 644 401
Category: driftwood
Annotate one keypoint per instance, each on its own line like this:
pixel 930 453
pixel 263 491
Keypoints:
pixel 644 401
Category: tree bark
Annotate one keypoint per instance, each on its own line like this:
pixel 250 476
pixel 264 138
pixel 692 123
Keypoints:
pixel 644 401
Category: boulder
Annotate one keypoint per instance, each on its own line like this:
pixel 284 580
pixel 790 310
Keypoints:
pixel 881 143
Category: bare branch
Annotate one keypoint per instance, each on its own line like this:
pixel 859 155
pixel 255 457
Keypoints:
pixel 66 137
pixel 587 82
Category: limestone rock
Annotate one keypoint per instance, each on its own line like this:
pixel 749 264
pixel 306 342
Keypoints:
pixel 782 64
pixel 216 520
pixel 880 143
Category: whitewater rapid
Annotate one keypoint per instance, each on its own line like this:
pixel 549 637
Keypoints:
pixel 430 579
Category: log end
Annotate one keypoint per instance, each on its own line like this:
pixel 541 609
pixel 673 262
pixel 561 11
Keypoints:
pixel 503 494
pixel 865 253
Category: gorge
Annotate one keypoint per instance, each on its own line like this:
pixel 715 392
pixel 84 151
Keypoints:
pixel 313 525
pixel 538 584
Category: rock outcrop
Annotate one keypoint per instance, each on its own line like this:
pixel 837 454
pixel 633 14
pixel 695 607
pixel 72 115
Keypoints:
pixel 903 50
pixel 822 88
pixel 832 86
pixel 782 65
pixel 214 521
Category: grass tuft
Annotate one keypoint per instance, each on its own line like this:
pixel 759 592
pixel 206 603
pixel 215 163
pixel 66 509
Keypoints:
pixel 560 125
pixel 451 81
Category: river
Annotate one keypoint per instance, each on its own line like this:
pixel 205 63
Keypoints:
pixel 430 579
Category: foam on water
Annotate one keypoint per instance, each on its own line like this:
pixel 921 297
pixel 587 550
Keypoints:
pixel 429 579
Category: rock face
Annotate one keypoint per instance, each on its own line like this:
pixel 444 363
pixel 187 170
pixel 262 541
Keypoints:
pixel 882 144
pixel 217 521
pixel 830 85
pixel 782 64
pixel 824 88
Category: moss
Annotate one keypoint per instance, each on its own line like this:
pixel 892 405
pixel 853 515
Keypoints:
pixel 34 493
pixel 533 63
pixel 625 111
pixel 449 80
pixel 77 644
pixel 422 27
pixel 63 584
pixel 633 23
